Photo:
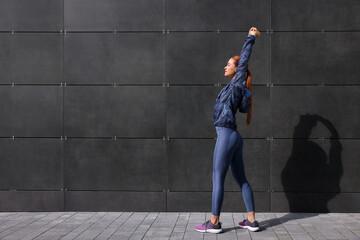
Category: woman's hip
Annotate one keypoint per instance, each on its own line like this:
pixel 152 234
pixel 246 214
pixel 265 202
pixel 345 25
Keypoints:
pixel 231 136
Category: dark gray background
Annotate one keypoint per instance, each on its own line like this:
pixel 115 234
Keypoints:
pixel 107 105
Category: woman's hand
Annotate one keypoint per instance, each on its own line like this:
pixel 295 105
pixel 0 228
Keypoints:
pixel 254 31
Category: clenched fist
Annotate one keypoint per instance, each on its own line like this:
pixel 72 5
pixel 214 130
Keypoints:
pixel 254 31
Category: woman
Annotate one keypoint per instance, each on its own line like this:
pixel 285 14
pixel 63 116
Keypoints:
pixel 229 143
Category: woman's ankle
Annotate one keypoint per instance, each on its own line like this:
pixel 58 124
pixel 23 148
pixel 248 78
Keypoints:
pixel 214 221
pixel 251 216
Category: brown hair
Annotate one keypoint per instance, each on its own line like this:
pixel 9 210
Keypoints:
pixel 248 86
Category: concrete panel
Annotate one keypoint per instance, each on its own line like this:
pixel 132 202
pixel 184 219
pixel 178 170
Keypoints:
pixel 314 57
pixel 200 57
pixel 342 56
pixel 123 111
pixel 330 15
pixel 124 164
pixel 31 111
pixel 115 201
pixel 31 164
pixel 301 165
pixel 195 58
pixel 234 15
pixel 41 201
pixel 315 202
pixel 350 152
pixel 135 15
pixel 130 58
pixel 31 58
pixel 298 57
pixel 35 15
pixel 6 58
pixel 340 106
pixel 190 111
pixel 315 165
pixel 305 106
pixel 190 161
pixel 7 164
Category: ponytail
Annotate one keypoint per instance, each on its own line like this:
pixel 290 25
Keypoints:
pixel 248 86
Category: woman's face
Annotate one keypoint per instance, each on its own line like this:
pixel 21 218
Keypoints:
pixel 230 68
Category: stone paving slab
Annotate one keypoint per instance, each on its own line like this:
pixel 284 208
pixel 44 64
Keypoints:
pixel 174 225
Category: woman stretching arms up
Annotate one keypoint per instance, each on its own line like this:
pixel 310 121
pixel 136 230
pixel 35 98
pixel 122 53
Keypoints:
pixel 229 143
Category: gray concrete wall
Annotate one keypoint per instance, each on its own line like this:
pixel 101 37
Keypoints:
pixel 107 105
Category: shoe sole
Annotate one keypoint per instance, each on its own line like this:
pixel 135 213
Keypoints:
pixel 253 229
pixel 210 230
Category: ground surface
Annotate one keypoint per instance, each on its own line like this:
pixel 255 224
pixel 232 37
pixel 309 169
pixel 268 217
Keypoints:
pixel 174 225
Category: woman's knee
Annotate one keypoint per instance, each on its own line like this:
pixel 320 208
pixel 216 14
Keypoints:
pixel 245 186
pixel 240 179
pixel 218 177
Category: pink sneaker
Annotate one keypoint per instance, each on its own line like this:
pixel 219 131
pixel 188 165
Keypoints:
pixel 252 226
pixel 209 227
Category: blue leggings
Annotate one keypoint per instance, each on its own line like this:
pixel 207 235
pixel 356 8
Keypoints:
pixel 228 152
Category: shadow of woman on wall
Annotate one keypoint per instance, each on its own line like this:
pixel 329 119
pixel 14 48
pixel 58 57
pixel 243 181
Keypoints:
pixel 310 177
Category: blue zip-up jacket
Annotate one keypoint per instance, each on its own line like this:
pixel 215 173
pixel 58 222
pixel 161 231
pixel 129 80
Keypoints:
pixel 228 100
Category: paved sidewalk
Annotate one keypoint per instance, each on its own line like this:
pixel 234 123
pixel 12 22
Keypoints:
pixel 174 225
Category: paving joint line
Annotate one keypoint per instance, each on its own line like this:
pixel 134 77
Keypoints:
pixel 187 223
pixel 24 226
pixel 232 214
pixel 177 219
pixel 52 226
pixel 151 225
pixel 120 225
pixel 139 225
pixel 92 224
pixel 78 226
pixel 11 219
pixel 109 225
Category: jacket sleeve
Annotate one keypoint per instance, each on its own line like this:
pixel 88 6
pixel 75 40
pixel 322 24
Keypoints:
pixel 244 59
pixel 241 70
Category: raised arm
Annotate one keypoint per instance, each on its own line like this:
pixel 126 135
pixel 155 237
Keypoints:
pixel 244 59
pixel 239 81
